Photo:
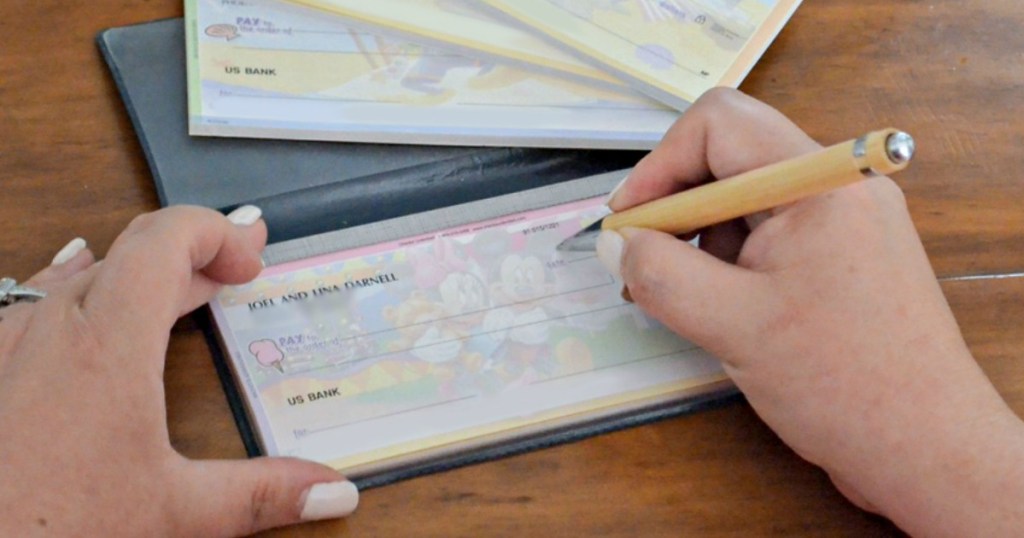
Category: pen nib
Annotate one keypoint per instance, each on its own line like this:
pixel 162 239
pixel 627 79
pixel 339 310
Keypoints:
pixel 584 241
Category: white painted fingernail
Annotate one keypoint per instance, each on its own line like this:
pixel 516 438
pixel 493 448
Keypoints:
pixel 246 215
pixel 69 251
pixel 615 191
pixel 330 500
pixel 609 251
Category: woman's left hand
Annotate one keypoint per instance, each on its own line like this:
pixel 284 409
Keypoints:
pixel 84 446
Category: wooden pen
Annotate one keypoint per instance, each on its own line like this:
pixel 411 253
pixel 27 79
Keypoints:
pixel 877 153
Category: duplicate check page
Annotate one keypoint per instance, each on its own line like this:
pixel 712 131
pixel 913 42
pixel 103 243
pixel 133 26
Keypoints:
pixel 368 356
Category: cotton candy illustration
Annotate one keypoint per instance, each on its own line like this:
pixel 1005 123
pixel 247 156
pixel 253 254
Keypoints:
pixel 267 354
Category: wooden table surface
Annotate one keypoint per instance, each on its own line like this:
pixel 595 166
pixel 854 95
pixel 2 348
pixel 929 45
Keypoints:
pixel 949 71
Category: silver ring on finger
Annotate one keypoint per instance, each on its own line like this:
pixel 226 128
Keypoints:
pixel 11 293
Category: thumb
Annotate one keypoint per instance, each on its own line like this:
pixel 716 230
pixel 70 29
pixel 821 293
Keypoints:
pixel 698 296
pixel 235 498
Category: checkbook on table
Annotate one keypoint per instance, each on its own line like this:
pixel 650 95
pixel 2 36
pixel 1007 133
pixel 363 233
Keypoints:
pixel 441 337
pixel 414 315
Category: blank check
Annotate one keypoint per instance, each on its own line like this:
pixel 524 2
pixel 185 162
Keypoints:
pixel 386 353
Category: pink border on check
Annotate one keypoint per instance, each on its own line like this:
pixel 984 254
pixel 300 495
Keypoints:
pixel 466 229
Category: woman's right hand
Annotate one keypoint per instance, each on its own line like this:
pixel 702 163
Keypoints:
pixel 828 316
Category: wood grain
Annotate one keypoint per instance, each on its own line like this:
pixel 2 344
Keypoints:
pixel 948 71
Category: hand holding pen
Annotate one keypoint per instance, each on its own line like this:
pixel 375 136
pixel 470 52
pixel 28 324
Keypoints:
pixel 828 316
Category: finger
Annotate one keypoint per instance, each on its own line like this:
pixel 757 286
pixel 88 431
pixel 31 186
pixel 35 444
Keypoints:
pixel 693 293
pixel 234 498
pixel 16 319
pixel 853 495
pixel 724 133
pixel 69 261
pixel 169 262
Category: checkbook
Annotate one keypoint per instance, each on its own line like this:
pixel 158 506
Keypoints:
pixel 444 338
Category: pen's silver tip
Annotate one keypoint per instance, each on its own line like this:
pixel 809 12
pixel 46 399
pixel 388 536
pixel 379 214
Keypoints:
pixel 900 147
pixel 584 241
